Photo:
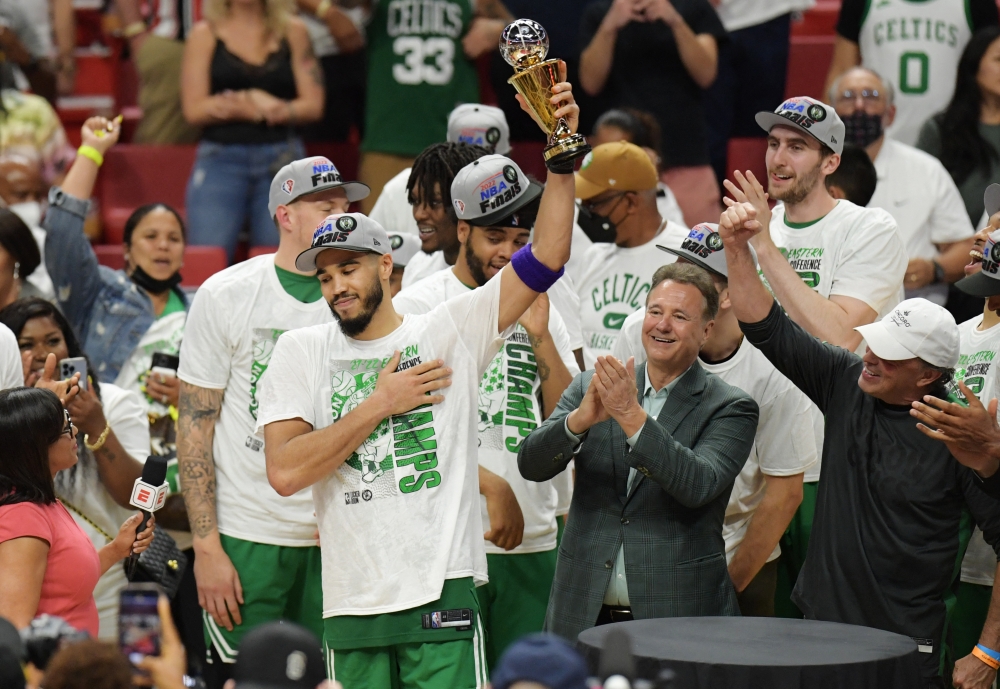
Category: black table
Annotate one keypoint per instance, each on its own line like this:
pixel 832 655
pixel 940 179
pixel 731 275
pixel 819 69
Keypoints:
pixel 765 653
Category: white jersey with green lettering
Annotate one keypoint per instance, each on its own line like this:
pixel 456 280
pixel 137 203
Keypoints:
pixel 916 46
pixel 510 407
pixel 613 282
pixel 401 515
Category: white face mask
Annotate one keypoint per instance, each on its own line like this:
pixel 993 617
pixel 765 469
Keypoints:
pixel 29 211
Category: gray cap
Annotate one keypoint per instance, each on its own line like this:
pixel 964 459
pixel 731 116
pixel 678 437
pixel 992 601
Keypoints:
pixel 488 192
pixel 308 176
pixel 809 116
pixel 986 283
pixel 404 247
pixel 991 199
pixel 345 232
pixel 480 125
pixel 703 247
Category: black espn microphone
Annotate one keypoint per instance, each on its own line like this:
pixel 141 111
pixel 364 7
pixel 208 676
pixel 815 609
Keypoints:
pixel 616 668
pixel 148 494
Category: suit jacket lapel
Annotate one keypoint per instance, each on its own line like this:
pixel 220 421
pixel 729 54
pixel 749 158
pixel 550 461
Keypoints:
pixel 681 400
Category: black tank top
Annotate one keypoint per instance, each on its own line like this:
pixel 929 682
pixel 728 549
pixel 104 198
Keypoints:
pixel 230 73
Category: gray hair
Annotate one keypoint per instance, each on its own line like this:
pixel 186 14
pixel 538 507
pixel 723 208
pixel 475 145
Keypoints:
pixel 887 89
pixel 690 274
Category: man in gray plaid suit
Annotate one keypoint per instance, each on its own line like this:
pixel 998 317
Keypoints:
pixel 657 451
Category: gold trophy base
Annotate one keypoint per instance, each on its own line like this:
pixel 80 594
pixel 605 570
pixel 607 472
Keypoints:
pixel 535 85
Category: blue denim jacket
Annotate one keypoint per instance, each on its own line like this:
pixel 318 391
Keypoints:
pixel 109 313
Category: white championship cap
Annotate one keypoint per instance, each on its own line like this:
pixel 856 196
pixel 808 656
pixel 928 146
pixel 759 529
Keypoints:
pixel 916 328
pixel 480 125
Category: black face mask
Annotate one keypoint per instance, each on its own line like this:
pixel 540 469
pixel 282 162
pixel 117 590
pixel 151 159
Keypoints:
pixel 861 129
pixel 598 228
pixel 151 284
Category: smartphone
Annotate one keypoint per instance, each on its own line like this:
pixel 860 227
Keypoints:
pixel 139 622
pixel 69 367
pixel 165 364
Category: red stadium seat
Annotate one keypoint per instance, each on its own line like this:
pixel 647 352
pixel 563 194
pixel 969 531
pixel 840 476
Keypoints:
pixel 200 262
pixel 808 62
pixel 261 250
pixel 134 175
pixel 821 20
pixel 747 154
pixel 344 154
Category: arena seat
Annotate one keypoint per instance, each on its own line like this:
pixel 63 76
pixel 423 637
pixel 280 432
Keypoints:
pixel 808 62
pixel 821 20
pixel 344 154
pixel 134 175
pixel 747 153
pixel 261 250
pixel 200 262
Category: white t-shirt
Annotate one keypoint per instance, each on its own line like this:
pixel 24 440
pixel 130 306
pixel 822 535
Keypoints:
pixel 851 251
pixel 164 336
pixel 975 368
pixel 392 210
pixel 741 14
pixel 614 283
pixel 11 370
pixel 916 190
pixel 509 408
pixel 234 321
pixel 422 265
pixel 323 42
pixel 81 488
pixel 401 515
pixel 564 298
pixel 785 443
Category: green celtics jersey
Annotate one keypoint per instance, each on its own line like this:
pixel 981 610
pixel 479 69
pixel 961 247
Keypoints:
pixel 417 73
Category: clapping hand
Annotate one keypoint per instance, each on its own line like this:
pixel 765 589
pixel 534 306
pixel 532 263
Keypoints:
pixel 971 433
pixel 615 383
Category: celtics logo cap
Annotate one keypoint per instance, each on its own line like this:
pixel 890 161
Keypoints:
pixel 480 125
pixel 308 176
pixel 809 116
pixel 490 191
pixel 346 232
pixel 404 247
pixel 703 247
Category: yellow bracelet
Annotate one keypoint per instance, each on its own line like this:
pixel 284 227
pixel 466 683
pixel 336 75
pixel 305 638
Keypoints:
pixel 323 7
pixel 101 439
pixel 92 153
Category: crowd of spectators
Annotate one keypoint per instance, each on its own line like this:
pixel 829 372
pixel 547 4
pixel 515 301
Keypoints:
pixel 737 396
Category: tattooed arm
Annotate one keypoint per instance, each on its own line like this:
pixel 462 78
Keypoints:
pixel 219 589
pixel 552 372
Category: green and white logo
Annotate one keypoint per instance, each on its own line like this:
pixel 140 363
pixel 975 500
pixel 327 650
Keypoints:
pixel 614 321
pixel 347 223
pixel 264 340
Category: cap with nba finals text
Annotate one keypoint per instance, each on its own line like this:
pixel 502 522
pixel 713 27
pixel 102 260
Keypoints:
pixel 618 166
pixel 346 232
pixel 809 116
pixel 703 247
pixel 488 192
pixel 986 283
pixel 308 176
pixel 480 125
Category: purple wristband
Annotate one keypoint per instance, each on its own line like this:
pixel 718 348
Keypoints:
pixel 535 274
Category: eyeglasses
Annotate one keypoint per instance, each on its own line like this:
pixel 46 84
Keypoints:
pixel 866 95
pixel 69 429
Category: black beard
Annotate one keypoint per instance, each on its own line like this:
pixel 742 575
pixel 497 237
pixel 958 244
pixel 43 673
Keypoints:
pixel 352 327
pixel 475 267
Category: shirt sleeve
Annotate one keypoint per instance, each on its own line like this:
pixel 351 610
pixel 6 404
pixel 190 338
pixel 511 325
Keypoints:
pixel 24 519
pixel 11 371
pixel 205 350
pixel 786 443
pixel 286 391
pixel 127 416
pixel 873 262
pixel 476 316
pixel 982 13
pixel 852 13
pixel 629 340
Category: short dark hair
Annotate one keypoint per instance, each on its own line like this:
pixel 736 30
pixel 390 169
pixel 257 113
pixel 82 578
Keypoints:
pixel 31 419
pixel 141 212
pixel 642 127
pixel 17 239
pixel 856 175
pixel 88 664
pixel 690 274
pixel 16 315
pixel 438 164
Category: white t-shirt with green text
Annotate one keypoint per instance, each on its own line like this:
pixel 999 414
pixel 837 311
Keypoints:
pixel 401 514
pixel 510 408
pixel 234 321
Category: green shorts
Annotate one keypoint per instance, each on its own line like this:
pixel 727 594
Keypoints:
pixel 279 582
pixel 394 651
pixel 515 600
pixel 794 544
pixel 968 617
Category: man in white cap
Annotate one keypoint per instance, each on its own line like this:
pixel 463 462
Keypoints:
pixel 257 558
pixel 769 489
pixel 379 414
pixel 885 539
pixel 519 390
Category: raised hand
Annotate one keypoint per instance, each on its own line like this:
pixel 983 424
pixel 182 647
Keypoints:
pixel 750 191
pixel 65 390
pixel 101 133
pixel 562 97
pixel 738 224
pixel 971 433
pixel 402 391
pixel 590 412
pixel 616 385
